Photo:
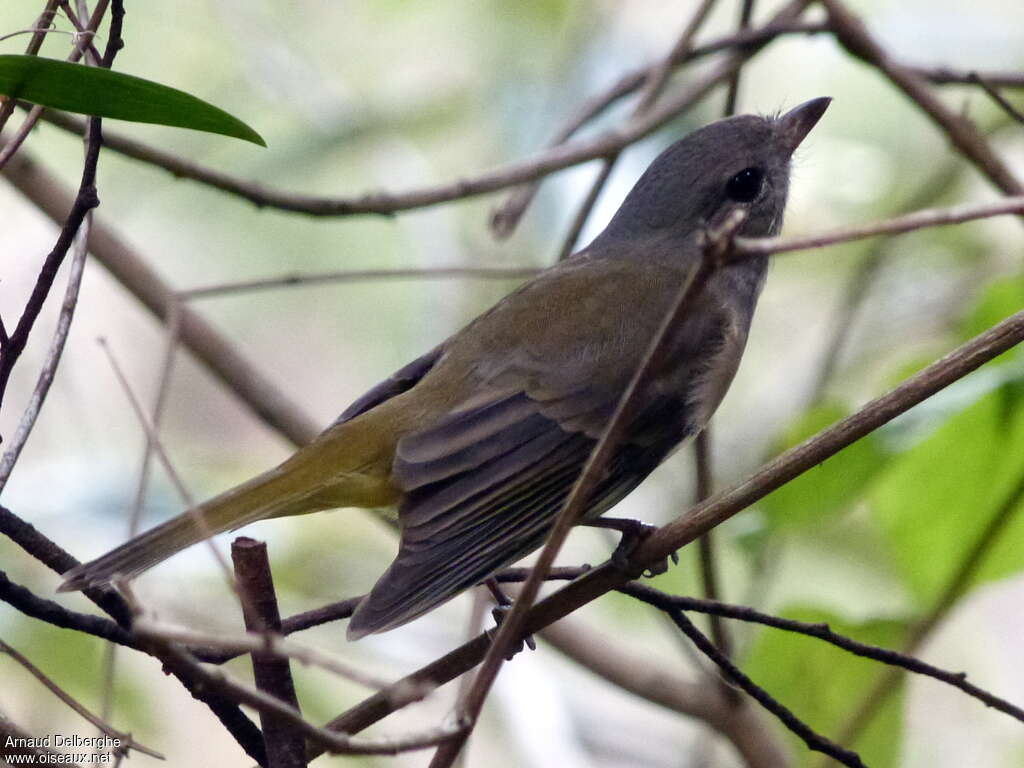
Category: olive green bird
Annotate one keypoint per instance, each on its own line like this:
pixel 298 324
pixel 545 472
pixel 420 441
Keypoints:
pixel 479 441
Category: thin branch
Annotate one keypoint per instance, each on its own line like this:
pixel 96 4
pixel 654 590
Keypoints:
pixel 328 740
pixel 812 739
pixel 172 473
pixel 59 561
pixel 125 740
pixel 630 669
pixel 79 250
pixel 819 631
pixel 506 216
pixel 950 76
pixel 358 275
pixel 264 196
pixel 15 741
pixel 703 517
pixel 270 403
pixel 83 43
pixel 30 604
pixel 733 93
pixel 997 97
pixel 851 33
pixel 42 27
pixel 654 84
pixel 705 544
pixel 84 201
pixel 928 217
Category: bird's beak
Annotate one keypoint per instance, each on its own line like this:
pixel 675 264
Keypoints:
pixel 797 123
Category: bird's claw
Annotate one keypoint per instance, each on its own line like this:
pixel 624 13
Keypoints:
pixel 499 612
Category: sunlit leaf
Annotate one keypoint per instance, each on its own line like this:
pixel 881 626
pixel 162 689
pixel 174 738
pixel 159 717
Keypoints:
pixel 934 501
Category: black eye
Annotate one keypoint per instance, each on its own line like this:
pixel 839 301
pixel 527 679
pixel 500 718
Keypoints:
pixel 745 185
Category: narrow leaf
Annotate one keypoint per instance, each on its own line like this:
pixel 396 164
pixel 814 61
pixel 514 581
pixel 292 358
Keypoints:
pixel 102 93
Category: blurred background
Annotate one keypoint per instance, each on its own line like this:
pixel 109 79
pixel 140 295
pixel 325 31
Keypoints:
pixel 381 95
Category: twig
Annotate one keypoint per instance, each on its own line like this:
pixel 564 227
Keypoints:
pixel 83 43
pixel 297 623
pixel 172 473
pixel 24 600
pixel 950 76
pixel 268 402
pixel 705 544
pixel 125 740
pixel 733 92
pixel 272 642
pixel 886 656
pixel 597 581
pixel 84 201
pixel 812 739
pixel 855 38
pixel 264 196
pixel 358 275
pixel 43 26
pixel 172 330
pixel 271 671
pixel 860 283
pixel 331 741
pixel 654 84
pixel 630 669
pixel 53 355
pixel 997 97
pixel 507 215
pixel 928 217
pixel 14 742
pixel 55 558
pixel 511 629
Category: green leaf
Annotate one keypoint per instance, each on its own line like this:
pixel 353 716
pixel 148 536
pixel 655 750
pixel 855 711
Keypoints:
pixel 833 485
pixel 102 93
pixel 934 501
pixel 822 684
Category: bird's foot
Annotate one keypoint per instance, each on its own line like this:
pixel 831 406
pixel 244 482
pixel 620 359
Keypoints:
pixel 633 534
pixel 499 612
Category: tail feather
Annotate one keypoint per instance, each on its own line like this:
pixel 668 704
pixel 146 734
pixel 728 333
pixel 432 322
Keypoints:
pixel 272 494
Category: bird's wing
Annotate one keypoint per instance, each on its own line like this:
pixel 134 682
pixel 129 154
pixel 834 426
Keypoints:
pixel 483 483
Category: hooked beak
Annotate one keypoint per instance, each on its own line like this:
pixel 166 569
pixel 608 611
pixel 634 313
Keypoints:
pixel 797 123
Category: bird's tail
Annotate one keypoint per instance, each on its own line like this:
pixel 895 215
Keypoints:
pixel 342 468
pixel 271 494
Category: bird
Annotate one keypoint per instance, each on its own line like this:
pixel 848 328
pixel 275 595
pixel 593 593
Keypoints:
pixel 478 442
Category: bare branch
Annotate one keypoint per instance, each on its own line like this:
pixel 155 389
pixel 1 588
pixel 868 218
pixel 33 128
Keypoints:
pixel 58 560
pixel 358 275
pixel 53 354
pixel 886 656
pixel 630 669
pixel 997 97
pixel 855 38
pixel 331 741
pixel 268 402
pixel 928 217
pixel 812 739
pixel 125 739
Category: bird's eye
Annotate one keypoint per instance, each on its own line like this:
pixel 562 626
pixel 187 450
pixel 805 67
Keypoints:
pixel 745 185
